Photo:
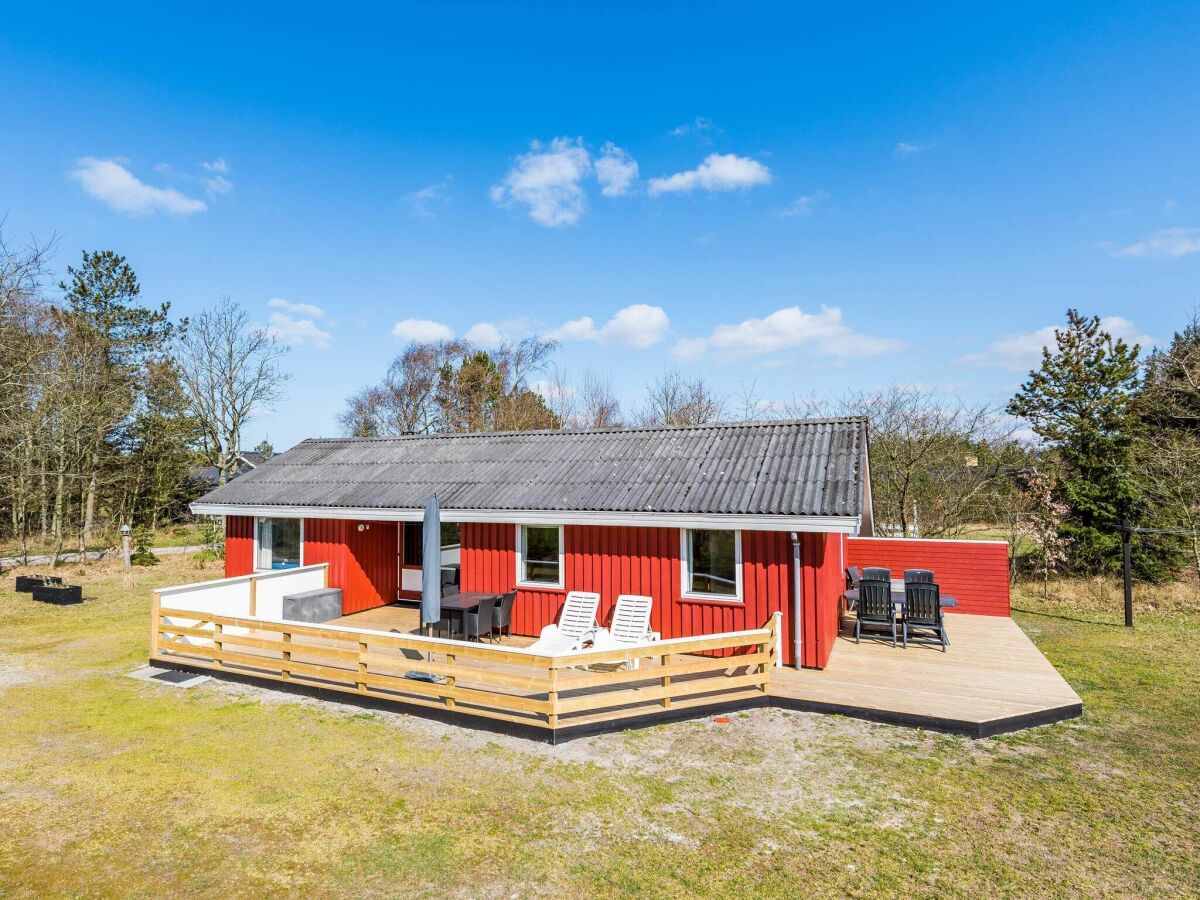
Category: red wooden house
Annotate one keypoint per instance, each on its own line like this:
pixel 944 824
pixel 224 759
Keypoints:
pixel 722 525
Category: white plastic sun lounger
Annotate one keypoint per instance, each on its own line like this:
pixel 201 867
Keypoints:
pixel 576 624
pixel 630 625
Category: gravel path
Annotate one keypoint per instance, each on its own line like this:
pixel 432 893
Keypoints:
pixel 10 561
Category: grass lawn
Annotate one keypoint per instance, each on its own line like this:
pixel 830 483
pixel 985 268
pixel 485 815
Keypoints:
pixel 115 787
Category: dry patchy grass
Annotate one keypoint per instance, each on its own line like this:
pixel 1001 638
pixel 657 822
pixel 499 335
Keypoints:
pixel 113 787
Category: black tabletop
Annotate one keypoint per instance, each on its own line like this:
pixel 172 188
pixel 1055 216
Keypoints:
pixel 467 600
pixel 947 600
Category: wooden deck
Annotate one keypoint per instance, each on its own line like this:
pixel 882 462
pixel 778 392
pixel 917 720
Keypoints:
pixel 990 680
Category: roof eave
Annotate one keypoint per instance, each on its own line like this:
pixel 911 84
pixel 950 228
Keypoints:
pixel 716 521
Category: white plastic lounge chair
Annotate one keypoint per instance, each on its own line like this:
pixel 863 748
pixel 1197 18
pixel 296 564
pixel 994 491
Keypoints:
pixel 630 626
pixel 576 624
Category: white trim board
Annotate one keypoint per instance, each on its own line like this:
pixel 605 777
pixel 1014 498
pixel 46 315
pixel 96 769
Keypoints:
pixel 716 521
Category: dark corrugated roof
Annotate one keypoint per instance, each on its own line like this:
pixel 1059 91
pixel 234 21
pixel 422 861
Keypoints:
pixel 804 468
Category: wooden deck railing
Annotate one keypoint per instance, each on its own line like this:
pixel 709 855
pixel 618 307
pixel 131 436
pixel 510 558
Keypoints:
pixel 510 684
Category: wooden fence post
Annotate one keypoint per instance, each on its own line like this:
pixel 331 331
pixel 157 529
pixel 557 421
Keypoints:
pixel 665 662
pixel 155 622
pixel 286 670
pixel 253 604
pixel 362 666
pixel 552 695
pixel 218 644
pixel 450 680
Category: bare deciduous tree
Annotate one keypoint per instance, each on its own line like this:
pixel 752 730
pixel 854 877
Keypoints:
pixel 673 399
pixel 230 371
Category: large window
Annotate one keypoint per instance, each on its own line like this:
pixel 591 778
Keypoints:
pixel 712 564
pixel 278 544
pixel 539 555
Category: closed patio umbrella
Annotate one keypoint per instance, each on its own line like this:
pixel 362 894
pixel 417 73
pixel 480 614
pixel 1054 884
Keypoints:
pixel 431 565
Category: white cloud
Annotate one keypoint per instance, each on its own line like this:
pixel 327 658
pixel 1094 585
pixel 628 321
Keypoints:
pixel 301 309
pixel 701 125
pixel 1170 243
pixel 485 334
pixel 547 180
pixel 803 206
pixel 718 172
pixel 422 330
pixel 638 326
pixel 119 189
pixel 1022 352
pixel 295 323
pixel 616 171
pixel 424 201
pixel 581 329
pixel 911 148
pixel 217 185
pixel 218 165
pixel 823 333
pixel 551 391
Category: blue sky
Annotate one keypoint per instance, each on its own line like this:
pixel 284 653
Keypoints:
pixel 823 198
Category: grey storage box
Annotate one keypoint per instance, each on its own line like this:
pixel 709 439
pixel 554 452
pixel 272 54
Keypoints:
pixel 320 605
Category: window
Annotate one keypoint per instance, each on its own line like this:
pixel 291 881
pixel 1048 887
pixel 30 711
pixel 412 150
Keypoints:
pixel 278 543
pixel 539 555
pixel 712 564
pixel 414 543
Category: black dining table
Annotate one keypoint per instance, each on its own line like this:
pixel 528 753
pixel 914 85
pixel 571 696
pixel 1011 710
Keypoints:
pixel 462 603
pixel 948 601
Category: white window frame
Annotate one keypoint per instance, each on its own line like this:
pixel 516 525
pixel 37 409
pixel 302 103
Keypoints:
pixel 685 568
pixel 258 548
pixel 521 582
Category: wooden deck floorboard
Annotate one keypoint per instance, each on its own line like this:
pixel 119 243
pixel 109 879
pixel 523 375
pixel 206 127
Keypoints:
pixel 991 676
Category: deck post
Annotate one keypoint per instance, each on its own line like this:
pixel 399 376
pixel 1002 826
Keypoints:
pixel 552 697
pixel 362 666
pixel 450 681
pixel 665 662
pixel 155 622
pixel 218 644
pixel 252 605
pixel 286 670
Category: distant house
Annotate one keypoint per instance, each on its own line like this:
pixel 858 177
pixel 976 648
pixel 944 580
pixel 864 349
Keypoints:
pixel 205 478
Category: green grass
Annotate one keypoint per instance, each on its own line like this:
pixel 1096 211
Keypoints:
pixel 114 787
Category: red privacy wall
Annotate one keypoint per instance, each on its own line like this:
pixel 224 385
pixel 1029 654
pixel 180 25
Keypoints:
pixel 613 561
pixel 975 572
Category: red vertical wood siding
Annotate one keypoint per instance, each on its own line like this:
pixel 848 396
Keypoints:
pixel 614 561
pixel 239 545
pixel 975 572
pixel 361 563
pixel 609 561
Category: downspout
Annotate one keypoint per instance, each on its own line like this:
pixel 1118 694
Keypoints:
pixel 797 613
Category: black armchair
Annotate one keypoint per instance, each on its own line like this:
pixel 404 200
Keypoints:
pixel 923 611
pixel 478 622
pixel 875 607
pixel 502 617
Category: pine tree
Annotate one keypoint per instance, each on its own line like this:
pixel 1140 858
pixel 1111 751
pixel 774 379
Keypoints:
pixel 1080 402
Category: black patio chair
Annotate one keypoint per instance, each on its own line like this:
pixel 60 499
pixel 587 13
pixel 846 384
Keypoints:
pixel 923 611
pixel 875 607
pixel 502 617
pixel 478 622
pixel 853 577
pixel 877 574
pixel 918 576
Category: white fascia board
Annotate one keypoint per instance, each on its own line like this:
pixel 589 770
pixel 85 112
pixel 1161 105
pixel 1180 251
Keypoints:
pixel 716 521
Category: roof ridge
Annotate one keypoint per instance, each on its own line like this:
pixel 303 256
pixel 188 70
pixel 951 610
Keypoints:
pixel 751 423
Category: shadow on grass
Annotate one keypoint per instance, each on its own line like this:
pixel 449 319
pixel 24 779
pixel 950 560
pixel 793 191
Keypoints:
pixel 1047 615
